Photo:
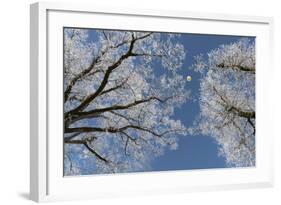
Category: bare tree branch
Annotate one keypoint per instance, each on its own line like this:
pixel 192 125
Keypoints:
pixel 238 67
pixel 90 68
pixel 115 65
pixel 90 114
pixel 85 143
pixel 231 108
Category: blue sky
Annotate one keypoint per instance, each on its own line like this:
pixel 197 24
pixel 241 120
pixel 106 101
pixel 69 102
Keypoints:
pixel 194 152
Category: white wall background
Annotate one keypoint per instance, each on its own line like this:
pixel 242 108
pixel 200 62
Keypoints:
pixel 14 101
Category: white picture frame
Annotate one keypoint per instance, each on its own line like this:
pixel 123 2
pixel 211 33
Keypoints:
pixel 46 177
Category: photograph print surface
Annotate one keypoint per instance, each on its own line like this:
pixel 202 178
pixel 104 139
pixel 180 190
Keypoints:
pixel 137 101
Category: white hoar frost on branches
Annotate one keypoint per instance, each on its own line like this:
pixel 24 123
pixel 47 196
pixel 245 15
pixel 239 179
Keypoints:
pixel 227 100
pixel 117 109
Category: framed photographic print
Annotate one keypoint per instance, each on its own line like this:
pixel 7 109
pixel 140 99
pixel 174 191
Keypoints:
pixel 123 98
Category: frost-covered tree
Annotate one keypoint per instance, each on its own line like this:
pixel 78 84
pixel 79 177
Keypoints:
pixel 118 105
pixel 227 100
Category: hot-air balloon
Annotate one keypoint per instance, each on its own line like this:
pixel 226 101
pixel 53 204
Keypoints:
pixel 188 78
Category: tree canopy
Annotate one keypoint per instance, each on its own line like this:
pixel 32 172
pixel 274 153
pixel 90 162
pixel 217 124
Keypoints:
pixel 117 109
pixel 227 100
